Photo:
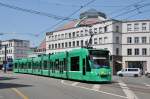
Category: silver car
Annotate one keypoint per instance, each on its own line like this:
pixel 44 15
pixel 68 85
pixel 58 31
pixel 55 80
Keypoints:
pixel 134 72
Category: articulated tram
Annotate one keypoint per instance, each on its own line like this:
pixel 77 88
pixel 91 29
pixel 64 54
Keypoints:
pixel 79 64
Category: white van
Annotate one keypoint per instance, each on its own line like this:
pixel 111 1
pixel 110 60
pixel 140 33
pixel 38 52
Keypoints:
pixel 135 72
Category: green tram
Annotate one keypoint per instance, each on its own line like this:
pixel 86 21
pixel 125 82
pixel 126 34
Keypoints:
pixel 79 64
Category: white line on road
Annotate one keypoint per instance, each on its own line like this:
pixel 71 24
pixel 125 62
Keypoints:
pixel 62 81
pixel 130 94
pixel 147 85
pixel 96 87
pixel 74 84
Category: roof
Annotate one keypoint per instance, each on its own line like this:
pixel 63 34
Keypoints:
pixel 74 23
pixel 125 21
pixel 16 40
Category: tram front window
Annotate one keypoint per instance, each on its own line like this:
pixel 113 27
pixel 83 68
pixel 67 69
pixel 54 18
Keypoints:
pixel 99 58
pixel 99 63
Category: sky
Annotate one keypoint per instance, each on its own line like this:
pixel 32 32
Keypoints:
pixel 30 26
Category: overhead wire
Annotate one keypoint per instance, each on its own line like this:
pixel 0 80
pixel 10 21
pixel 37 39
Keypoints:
pixel 128 6
pixel 113 17
pixel 35 12
pixel 139 7
pixel 86 4
pixel 147 4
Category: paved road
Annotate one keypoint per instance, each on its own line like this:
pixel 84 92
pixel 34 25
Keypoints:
pixel 23 86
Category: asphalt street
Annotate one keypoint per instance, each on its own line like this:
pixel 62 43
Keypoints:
pixel 24 86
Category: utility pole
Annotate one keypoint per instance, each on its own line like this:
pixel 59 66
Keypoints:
pixel 90 40
pixel 5 68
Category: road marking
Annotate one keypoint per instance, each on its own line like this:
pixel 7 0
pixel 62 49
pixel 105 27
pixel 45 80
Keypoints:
pixel 96 87
pixel 147 85
pixel 130 94
pixel 74 84
pixel 20 93
pixel 62 81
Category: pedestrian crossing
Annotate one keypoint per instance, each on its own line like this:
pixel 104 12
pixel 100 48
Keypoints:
pixel 119 89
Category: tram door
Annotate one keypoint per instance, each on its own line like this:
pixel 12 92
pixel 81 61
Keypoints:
pixel 85 68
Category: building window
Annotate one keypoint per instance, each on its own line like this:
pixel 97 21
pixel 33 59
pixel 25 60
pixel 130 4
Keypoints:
pixel 62 36
pixel 55 37
pixel 77 33
pixel 95 30
pixel 81 42
pixel 136 51
pixel 58 45
pixel 77 43
pixel 129 39
pixel 86 42
pixel 136 40
pixel 49 46
pixel 117 28
pixel 73 34
pixel 69 35
pixel 66 45
pixel 105 39
pixel 62 44
pixel 86 32
pixel 81 32
pixel 144 26
pixel 66 36
pixel 100 40
pixel 100 29
pixel 52 46
pixel 55 46
pixel 105 29
pixel 69 44
pixel 129 51
pixel 136 27
pixel 117 39
pixel 129 27
pixel 144 40
pixel 117 51
pixel 95 40
pixel 58 37
pixel 73 43
pixel 144 51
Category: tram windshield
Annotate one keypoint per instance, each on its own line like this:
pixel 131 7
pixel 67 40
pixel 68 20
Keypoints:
pixel 99 59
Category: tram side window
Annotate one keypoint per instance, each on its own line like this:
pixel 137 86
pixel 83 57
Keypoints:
pixel 40 65
pixel 16 65
pixel 22 66
pixel 45 65
pixel 29 65
pixel 57 64
pixel 75 63
pixel 50 65
pixel 65 65
pixel 88 68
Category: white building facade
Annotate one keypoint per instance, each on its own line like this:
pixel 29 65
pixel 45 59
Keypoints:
pixel 136 44
pixel 127 41
pixel 15 49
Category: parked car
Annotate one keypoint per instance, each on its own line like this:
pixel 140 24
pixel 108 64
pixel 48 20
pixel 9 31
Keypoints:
pixel 135 72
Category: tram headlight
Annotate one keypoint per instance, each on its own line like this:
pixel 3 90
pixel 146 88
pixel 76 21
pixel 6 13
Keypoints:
pixel 103 73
